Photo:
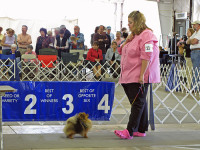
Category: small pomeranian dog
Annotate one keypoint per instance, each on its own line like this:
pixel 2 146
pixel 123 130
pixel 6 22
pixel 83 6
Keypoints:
pixel 78 124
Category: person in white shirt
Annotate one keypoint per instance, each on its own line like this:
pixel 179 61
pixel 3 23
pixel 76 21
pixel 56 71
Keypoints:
pixel 195 50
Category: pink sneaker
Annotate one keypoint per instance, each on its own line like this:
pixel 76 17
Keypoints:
pixel 139 134
pixel 117 133
pixel 124 134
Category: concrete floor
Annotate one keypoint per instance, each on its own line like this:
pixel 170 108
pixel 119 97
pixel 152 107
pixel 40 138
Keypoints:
pixel 101 137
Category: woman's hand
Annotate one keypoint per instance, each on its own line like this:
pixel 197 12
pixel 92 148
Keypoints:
pixel 141 80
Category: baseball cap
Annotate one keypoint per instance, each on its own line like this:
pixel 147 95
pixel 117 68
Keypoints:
pixel 62 27
pixel 196 22
pixel 108 27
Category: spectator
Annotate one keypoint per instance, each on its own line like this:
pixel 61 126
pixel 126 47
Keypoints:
pixel 173 44
pixel 161 49
pixel 42 41
pixel 95 57
pixel 124 36
pixel 61 43
pixel 77 44
pixel 195 50
pixel 33 62
pixel 123 30
pixel 17 53
pixel 187 56
pixel 183 39
pixel 7 31
pixel 14 51
pixel 7 41
pixel 67 33
pixel 113 58
pixel 18 59
pixel 112 37
pixel 51 38
pixel 14 34
pixel 92 35
pixel 118 39
pixel 186 46
pixel 56 32
pixel 180 45
pixel 23 40
pixel 86 48
pixel 102 39
pixel 30 51
pixel 1 37
pixel 109 42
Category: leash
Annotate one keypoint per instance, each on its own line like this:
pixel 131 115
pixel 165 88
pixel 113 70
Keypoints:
pixel 140 89
pixel 83 124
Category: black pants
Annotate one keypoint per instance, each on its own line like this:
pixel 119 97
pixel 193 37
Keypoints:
pixel 138 119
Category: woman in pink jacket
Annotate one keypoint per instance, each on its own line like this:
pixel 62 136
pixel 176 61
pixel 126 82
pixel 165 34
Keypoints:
pixel 139 67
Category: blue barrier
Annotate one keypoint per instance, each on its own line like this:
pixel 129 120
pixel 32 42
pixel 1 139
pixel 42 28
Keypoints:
pixel 173 79
pixel 57 101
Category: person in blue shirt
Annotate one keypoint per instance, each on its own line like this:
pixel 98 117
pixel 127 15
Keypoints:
pixel 112 36
pixel 77 39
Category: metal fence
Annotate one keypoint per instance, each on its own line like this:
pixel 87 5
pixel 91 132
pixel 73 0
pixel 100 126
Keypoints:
pixel 176 97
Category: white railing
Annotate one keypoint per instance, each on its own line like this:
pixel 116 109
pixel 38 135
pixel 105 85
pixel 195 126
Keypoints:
pixel 176 97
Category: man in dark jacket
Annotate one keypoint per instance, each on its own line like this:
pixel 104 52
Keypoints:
pixel 101 38
pixel 61 43
pixel 67 33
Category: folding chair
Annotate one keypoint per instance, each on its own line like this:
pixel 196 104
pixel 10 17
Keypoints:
pixel 49 65
pixel 69 63
pixel 48 51
pixel 8 65
pixel 29 66
pixel 86 71
pixel 81 52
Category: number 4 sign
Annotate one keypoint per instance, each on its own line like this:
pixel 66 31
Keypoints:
pixel 106 108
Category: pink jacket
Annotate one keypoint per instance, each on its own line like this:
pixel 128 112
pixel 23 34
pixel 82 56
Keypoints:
pixel 142 47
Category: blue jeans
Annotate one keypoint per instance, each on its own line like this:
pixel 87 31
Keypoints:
pixel 195 57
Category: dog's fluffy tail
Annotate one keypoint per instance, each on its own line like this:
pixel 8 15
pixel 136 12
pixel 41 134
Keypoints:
pixel 69 125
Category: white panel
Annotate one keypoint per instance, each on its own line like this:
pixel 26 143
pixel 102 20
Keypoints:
pixel 196 14
pixel 182 6
pixel 166 21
